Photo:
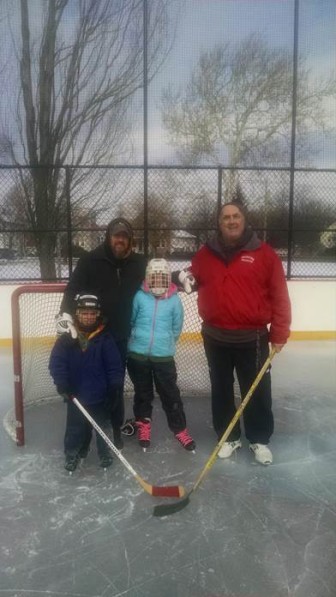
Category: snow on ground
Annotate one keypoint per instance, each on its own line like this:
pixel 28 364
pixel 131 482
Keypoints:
pixel 28 269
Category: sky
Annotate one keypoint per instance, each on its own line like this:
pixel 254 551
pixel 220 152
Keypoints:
pixel 204 23
pixel 200 25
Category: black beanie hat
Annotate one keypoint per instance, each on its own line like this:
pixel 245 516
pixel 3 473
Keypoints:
pixel 119 225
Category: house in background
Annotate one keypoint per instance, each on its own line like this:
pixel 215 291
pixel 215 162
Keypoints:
pixel 183 242
pixel 172 243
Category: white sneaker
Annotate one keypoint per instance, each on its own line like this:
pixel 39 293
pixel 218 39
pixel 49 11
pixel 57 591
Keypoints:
pixel 262 453
pixel 228 448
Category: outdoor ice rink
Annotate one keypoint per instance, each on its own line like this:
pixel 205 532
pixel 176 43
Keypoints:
pixel 249 531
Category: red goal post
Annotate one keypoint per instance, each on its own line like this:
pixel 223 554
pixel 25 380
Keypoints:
pixel 33 328
pixel 34 307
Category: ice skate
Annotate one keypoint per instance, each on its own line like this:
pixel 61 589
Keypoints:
pixel 144 432
pixel 105 462
pixel 71 463
pixel 129 427
pixel 186 440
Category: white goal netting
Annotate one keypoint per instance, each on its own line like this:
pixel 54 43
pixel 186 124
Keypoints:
pixel 34 308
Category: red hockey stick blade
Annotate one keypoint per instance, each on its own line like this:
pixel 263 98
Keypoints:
pixel 168 491
pixel 154 490
pixel 163 490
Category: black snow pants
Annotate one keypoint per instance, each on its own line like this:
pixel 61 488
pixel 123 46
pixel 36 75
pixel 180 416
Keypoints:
pixel 79 430
pixel 246 360
pixel 147 373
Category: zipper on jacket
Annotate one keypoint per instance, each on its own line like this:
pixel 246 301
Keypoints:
pixel 119 275
pixel 153 326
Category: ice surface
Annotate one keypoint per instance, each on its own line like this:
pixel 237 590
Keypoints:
pixel 249 531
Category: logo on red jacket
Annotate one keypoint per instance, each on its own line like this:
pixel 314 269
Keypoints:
pixel 247 258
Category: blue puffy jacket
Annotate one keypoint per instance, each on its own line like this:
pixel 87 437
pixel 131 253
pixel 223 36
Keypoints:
pixel 156 323
pixel 91 374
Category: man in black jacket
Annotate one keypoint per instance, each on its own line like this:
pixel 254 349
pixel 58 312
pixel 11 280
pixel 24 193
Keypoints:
pixel 113 272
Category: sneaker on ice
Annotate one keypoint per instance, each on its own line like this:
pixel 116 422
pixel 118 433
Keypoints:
pixel 262 453
pixel 228 448
pixel 186 440
pixel 143 432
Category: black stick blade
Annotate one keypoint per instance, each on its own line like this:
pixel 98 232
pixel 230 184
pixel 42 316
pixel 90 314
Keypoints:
pixel 167 509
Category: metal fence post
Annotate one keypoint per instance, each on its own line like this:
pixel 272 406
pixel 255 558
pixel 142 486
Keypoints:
pixel 68 216
pixel 293 139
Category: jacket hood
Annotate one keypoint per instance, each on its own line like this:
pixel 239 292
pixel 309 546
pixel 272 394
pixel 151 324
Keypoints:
pixel 119 224
pixel 248 242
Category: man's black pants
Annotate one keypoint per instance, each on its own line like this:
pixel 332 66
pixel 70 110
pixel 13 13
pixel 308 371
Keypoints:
pixel 246 360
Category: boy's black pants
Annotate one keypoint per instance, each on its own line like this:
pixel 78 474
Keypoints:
pixel 144 375
pixel 78 429
pixel 246 360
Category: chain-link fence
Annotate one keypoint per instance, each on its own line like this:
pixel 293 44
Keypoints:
pixel 160 112
pixel 179 214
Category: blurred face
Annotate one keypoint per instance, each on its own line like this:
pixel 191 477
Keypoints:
pixel 158 283
pixel 120 245
pixel 231 224
pixel 87 317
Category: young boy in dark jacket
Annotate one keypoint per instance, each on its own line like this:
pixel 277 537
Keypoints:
pixel 90 368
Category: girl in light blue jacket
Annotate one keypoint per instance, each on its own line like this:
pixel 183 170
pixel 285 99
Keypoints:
pixel 156 324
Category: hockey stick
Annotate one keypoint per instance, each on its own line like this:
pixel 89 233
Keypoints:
pixel 165 510
pixel 154 490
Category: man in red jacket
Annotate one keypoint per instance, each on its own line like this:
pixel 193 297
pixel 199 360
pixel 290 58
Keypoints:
pixel 244 304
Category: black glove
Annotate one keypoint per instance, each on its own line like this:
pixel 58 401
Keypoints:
pixel 65 393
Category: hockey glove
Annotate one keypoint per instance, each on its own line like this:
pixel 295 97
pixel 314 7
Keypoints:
pixel 187 280
pixel 65 393
pixel 65 325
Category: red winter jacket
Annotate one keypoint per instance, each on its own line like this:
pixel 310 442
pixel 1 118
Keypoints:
pixel 248 292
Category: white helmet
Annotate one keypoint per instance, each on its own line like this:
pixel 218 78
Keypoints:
pixel 158 276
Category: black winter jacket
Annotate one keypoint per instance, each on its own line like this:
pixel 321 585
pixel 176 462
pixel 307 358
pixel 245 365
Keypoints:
pixel 91 374
pixel 114 281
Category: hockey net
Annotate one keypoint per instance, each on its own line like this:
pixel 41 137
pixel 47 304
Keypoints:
pixel 34 307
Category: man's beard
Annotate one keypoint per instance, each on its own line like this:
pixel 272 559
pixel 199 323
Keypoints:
pixel 120 250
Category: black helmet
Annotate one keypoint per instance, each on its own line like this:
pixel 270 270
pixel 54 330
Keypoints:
pixel 87 301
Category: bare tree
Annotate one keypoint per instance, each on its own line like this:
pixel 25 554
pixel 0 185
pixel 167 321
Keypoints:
pixel 79 70
pixel 239 102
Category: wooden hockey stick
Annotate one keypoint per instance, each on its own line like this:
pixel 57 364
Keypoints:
pixel 154 490
pixel 165 510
